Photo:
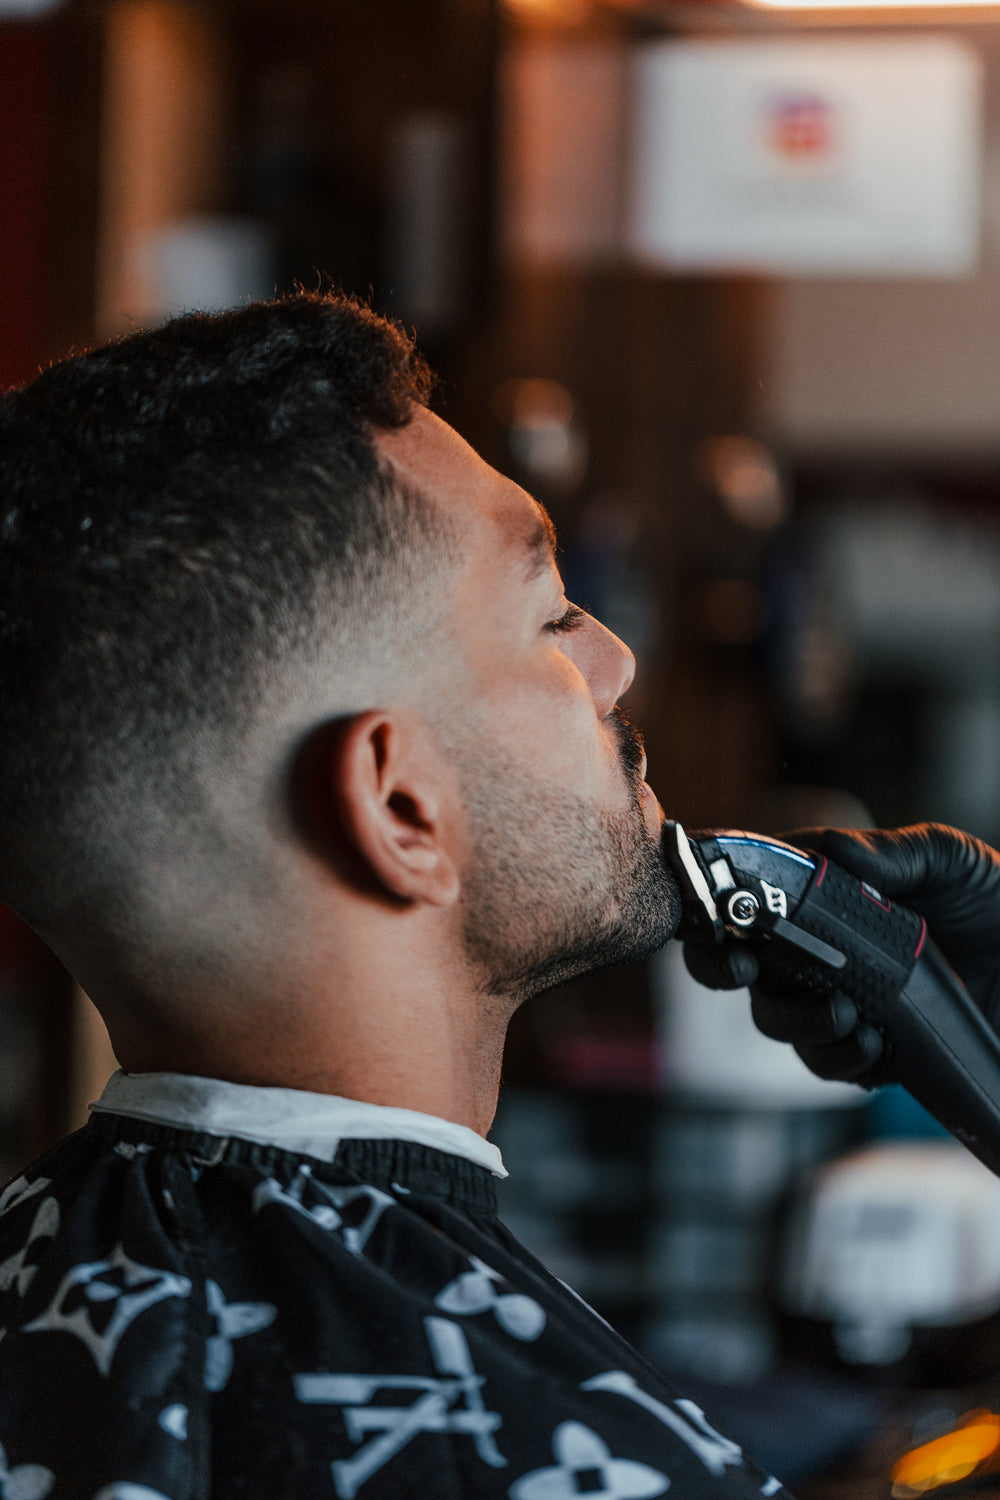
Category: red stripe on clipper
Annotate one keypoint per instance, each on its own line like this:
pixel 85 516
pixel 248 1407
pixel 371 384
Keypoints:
pixel 923 937
pixel 822 872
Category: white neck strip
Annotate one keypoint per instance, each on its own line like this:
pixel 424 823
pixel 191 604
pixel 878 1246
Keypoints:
pixel 292 1119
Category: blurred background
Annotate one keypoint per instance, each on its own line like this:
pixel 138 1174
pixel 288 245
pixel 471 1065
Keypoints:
pixel 720 284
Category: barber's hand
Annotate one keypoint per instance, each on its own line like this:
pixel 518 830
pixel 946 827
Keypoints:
pixel 824 1029
pixel 951 879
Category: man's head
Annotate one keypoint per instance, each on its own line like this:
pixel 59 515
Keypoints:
pixel 185 513
pixel 236 549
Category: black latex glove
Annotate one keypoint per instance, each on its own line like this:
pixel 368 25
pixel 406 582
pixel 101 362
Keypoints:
pixel 951 879
pixel 824 1029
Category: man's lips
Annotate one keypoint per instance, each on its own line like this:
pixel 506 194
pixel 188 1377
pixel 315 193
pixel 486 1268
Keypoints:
pixel 652 811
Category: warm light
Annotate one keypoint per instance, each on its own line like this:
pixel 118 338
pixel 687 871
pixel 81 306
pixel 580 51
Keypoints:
pixel 947 1459
pixel 547 443
pixel 744 475
pixel 546 10
pixel 839 5
pixel 533 403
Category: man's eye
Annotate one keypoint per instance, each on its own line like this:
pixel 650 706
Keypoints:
pixel 571 620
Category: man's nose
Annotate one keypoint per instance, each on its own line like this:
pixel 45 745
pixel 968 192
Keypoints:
pixel 610 669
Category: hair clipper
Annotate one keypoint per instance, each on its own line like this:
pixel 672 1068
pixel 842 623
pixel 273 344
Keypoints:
pixel 811 924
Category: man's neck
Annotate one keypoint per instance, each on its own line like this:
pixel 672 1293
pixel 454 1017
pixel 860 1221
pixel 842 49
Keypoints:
pixel 419 1048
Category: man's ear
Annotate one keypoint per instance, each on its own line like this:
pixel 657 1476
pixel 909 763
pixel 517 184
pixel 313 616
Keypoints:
pixel 391 789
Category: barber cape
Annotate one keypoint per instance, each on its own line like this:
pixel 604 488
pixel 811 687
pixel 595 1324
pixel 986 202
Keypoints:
pixel 215 1292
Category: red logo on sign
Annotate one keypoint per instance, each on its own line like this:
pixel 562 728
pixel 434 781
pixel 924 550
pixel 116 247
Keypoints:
pixel 800 127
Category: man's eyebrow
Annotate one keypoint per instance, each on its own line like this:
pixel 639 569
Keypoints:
pixel 540 544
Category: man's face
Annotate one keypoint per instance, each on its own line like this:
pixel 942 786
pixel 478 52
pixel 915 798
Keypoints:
pixel 565 874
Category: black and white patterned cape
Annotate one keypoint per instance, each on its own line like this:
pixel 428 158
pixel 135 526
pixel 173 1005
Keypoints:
pixel 186 1316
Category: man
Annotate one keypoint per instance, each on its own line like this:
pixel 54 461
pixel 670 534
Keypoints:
pixel 310 775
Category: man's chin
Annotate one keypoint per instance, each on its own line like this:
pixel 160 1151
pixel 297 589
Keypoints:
pixel 563 969
pixel 643 925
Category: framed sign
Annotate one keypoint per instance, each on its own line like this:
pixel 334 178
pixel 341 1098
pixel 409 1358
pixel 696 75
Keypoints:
pixel 822 156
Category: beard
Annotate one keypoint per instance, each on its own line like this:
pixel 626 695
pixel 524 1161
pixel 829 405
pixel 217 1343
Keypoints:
pixel 557 888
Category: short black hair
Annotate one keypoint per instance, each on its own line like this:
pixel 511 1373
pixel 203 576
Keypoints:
pixel 179 510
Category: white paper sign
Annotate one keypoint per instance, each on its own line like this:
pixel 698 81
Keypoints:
pixel 808 156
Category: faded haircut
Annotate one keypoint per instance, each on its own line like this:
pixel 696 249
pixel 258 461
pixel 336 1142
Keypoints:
pixel 182 512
